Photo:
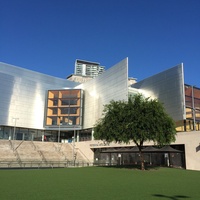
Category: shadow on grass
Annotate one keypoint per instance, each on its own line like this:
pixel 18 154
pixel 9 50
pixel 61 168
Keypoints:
pixel 175 197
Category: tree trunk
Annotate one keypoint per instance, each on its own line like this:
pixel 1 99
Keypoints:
pixel 141 159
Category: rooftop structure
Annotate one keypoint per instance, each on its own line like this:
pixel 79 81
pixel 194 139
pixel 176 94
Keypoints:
pixel 87 68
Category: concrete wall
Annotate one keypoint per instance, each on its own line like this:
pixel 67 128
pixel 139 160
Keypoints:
pixel 192 148
pixel 191 140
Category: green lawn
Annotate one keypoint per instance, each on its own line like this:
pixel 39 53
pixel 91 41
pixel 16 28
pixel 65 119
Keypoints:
pixel 99 183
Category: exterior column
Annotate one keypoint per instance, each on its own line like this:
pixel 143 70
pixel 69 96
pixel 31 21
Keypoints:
pixel 92 135
pixel 42 136
pixel 74 135
pixel 73 152
pixel 77 136
pixel 10 134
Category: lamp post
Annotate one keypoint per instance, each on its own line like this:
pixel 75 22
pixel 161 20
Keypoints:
pixel 73 152
pixel 120 157
pixel 60 123
pixel 15 118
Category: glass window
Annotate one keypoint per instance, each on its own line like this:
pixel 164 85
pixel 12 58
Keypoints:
pixel 73 101
pixel 188 101
pixel 73 110
pixel 23 134
pixel 65 102
pixel 69 110
pixel 55 111
pixel 55 102
pixel 69 102
pixel 33 132
pixel 51 121
pixel 197 114
pixel 65 94
pixel 189 113
pixel 1 133
pixel 74 120
pixel 71 120
pixel 54 120
pixel 38 135
pixel 50 136
pixel 65 110
pixel 197 103
pixel 67 121
pixel 5 132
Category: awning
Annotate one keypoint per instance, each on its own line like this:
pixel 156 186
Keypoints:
pixel 169 149
pixel 149 149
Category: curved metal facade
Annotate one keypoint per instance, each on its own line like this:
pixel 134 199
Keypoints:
pixel 168 87
pixel 23 95
pixel 111 85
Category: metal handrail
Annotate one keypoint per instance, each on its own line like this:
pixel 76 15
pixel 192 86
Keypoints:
pixel 43 164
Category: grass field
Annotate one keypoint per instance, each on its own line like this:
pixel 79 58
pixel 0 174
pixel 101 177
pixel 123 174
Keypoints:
pixel 94 183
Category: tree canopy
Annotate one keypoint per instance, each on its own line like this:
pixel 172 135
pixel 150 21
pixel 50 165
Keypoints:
pixel 139 120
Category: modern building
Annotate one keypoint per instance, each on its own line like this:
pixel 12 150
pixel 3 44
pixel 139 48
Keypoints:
pixel 39 107
pixel 88 68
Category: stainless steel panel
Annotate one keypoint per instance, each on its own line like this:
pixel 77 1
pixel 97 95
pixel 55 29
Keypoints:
pixel 111 85
pixel 23 94
pixel 168 87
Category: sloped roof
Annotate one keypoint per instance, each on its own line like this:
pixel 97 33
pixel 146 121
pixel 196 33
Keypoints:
pixel 169 149
pixel 150 149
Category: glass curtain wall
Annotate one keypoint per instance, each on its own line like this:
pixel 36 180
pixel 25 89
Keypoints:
pixel 192 103
pixel 7 133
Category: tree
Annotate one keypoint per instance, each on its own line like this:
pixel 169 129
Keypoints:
pixel 139 120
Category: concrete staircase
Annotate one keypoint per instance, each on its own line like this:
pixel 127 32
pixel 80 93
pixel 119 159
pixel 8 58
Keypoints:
pixel 6 152
pixel 27 152
pixel 42 153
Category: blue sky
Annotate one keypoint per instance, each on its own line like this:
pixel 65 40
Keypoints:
pixel 48 35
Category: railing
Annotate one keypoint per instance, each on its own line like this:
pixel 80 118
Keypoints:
pixel 66 161
pixel 11 145
pixel 42 156
pixel 58 149
pixel 42 164
pixel 15 151
pixel 33 145
pixel 19 145
pixel 17 156
pixel 82 154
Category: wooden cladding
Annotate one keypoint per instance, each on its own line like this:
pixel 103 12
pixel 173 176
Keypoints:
pixel 64 107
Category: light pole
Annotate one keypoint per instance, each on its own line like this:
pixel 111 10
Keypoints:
pixel 60 123
pixel 15 118
pixel 120 157
pixel 73 152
